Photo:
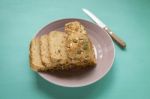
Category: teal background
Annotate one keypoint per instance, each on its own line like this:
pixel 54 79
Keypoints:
pixel 129 77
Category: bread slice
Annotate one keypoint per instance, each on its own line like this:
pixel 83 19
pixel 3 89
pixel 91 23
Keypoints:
pixel 35 58
pixel 44 51
pixel 57 49
pixel 78 46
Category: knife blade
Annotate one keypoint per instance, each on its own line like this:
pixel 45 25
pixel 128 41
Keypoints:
pixel 118 40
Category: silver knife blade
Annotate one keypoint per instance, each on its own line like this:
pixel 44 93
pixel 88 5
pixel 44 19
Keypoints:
pixel 94 18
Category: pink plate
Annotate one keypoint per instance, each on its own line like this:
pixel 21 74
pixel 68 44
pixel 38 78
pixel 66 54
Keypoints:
pixel 104 51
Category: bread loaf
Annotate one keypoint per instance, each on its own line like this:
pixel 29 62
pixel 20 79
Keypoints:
pixel 62 50
pixel 78 46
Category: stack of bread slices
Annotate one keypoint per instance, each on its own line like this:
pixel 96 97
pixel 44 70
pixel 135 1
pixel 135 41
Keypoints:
pixel 62 50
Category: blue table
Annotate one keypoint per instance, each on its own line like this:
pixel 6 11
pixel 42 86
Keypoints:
pixel 129 77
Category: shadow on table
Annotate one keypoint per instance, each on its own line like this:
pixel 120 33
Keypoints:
pixel 87 92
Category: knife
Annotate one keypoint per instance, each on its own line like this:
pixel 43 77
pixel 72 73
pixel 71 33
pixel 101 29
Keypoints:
pixel 118 40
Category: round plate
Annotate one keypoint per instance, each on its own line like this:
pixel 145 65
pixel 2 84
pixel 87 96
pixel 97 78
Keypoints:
pixel 104 51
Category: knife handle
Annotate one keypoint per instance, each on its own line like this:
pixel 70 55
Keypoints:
pixel 118 40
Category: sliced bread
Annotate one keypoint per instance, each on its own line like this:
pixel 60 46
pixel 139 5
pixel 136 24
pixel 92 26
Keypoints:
pixel 57 49
pixel 35 58
pixel 60 51
pixel 44 51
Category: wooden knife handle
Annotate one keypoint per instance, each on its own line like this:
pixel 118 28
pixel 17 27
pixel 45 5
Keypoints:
pixel 118 40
